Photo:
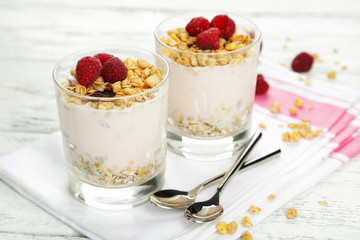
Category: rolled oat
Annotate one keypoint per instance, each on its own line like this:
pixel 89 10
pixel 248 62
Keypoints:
pixel 246 236
pixel 254 210
pixel 246 222
pixel 232 227
pixel 292 213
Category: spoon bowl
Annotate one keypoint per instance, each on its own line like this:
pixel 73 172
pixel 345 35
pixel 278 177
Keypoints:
pixel 205 211
pixel 171 198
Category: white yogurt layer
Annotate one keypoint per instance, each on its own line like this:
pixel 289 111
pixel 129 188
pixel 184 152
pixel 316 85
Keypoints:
pixel 130 138
pixel 114 146
pixel 220 96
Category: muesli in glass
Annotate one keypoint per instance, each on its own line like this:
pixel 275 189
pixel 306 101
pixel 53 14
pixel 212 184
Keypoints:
pixel 113 129
pixel 212 87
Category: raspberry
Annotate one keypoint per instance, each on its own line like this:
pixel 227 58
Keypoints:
pixel 105 93
pixel 225 24
pixel 208 39
pixel 88 69
pixel 114 70
pixel 252 34
pixel 302 62
pixel 197 25
pixel 103 57
pixel 261 85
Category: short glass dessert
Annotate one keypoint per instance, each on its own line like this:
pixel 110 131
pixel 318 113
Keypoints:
pixel 114 130
pixel 212 87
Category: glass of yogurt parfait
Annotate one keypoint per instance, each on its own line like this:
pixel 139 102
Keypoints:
pixel 112 105
pixel 213 59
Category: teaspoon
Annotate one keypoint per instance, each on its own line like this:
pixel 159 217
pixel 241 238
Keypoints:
pixel 211 209
pixel 171 198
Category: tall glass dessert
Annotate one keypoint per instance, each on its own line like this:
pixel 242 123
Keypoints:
pixel 112 106
pixel 212 59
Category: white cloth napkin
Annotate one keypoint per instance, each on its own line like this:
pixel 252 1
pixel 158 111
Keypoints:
pixel 38 171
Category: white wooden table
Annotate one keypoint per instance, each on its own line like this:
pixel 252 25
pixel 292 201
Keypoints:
pixel 35 34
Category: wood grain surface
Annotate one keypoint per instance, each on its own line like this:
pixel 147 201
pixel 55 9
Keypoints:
pixel 35 34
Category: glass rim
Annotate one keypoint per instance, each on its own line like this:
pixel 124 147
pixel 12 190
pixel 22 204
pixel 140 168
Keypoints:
pixel 164 79
pixel 212 54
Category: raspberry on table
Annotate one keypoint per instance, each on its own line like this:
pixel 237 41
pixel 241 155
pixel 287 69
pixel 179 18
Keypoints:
pixel 209 39
pixel 197 25
pixel 302 62
pixel 225 24
pixel 261 85
pixel 88 69
pixel 114 70
pixel 105 93
pixel 103 57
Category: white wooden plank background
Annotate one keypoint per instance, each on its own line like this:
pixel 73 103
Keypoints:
pixel 35 34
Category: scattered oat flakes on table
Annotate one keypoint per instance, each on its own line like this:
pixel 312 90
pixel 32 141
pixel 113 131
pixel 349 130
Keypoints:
pixel 315 56
pixel 246 222
pixel 301 130
pixel 262 125
pixel 300 78
pixel 305 120
pixel 331 75
pixel 222 227
pixel 292 213
pixel 232 227
pixel 246 236
pixel 271 197
pixel 299 102
pixel 293 110
pixel 254 210
pixel 275 107
pixel 323 202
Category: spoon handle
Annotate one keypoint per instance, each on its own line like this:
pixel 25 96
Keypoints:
pixel 240 160
pixel 260 158
pixel 246 164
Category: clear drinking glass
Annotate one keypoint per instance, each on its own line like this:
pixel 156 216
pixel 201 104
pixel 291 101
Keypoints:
pixel 211 95
pixel 115 147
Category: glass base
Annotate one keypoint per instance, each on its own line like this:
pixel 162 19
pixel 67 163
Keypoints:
pixel 115 198
pixel 206 149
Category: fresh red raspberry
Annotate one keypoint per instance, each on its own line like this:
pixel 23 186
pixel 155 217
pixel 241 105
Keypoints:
pixel 103 57
pixel 261 85
pixel 114 70
pixel 197 25
pixel 225 24
pixel 302 62
pixel 208 39
pixel 88 69
pixel 252 34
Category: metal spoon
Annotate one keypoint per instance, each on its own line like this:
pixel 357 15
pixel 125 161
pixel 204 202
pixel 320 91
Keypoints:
pixel 211 209
pixel 171 198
